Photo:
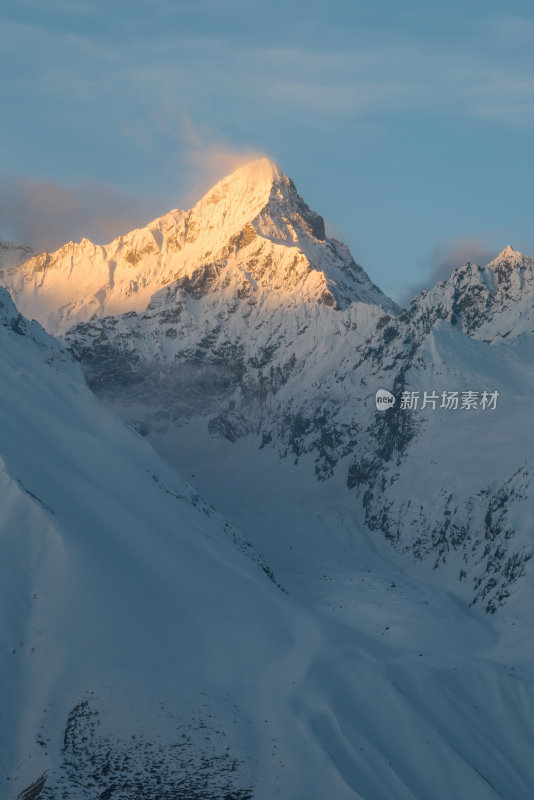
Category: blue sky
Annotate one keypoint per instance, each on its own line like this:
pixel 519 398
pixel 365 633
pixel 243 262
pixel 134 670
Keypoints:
pixel 409 126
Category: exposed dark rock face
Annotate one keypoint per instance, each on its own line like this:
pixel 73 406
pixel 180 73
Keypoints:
pixel 35 790
pixel 196 764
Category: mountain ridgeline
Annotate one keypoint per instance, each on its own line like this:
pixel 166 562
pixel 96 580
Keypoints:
pixel 348 613
pixel 242 316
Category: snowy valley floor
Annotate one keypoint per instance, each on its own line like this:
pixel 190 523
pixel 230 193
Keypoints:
pixel 416 695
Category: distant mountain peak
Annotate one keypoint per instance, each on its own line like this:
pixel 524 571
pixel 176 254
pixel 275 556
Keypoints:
pixel 509 250
pixel 490 303
pixel 508 255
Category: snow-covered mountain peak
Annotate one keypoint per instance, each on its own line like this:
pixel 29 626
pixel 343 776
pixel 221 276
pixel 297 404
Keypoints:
pixel 251 236
pixel 259 195
pixel 250 182
pixel 508 255
pixel 490 303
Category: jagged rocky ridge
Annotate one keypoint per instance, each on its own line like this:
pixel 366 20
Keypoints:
pixel 242 312
pixel 490 302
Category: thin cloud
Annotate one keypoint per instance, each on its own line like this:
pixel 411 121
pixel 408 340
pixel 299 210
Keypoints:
pixel 445 258
pixel 511 31
pixel 68 6
pixel 383 73
pixel 334 231
pixel 385 76
pixel 46 214
pixel 202 155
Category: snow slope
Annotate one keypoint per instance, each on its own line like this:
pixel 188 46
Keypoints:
pixel 129 615
pixel 145 655
pixel 424 692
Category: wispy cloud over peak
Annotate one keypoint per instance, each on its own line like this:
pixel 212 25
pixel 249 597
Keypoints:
pixel 445 258
pixel 45 214
pixel 208 158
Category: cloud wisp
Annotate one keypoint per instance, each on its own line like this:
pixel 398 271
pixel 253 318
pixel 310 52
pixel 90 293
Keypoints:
pixel 46 214
pixel 207 158
pixel 445 258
